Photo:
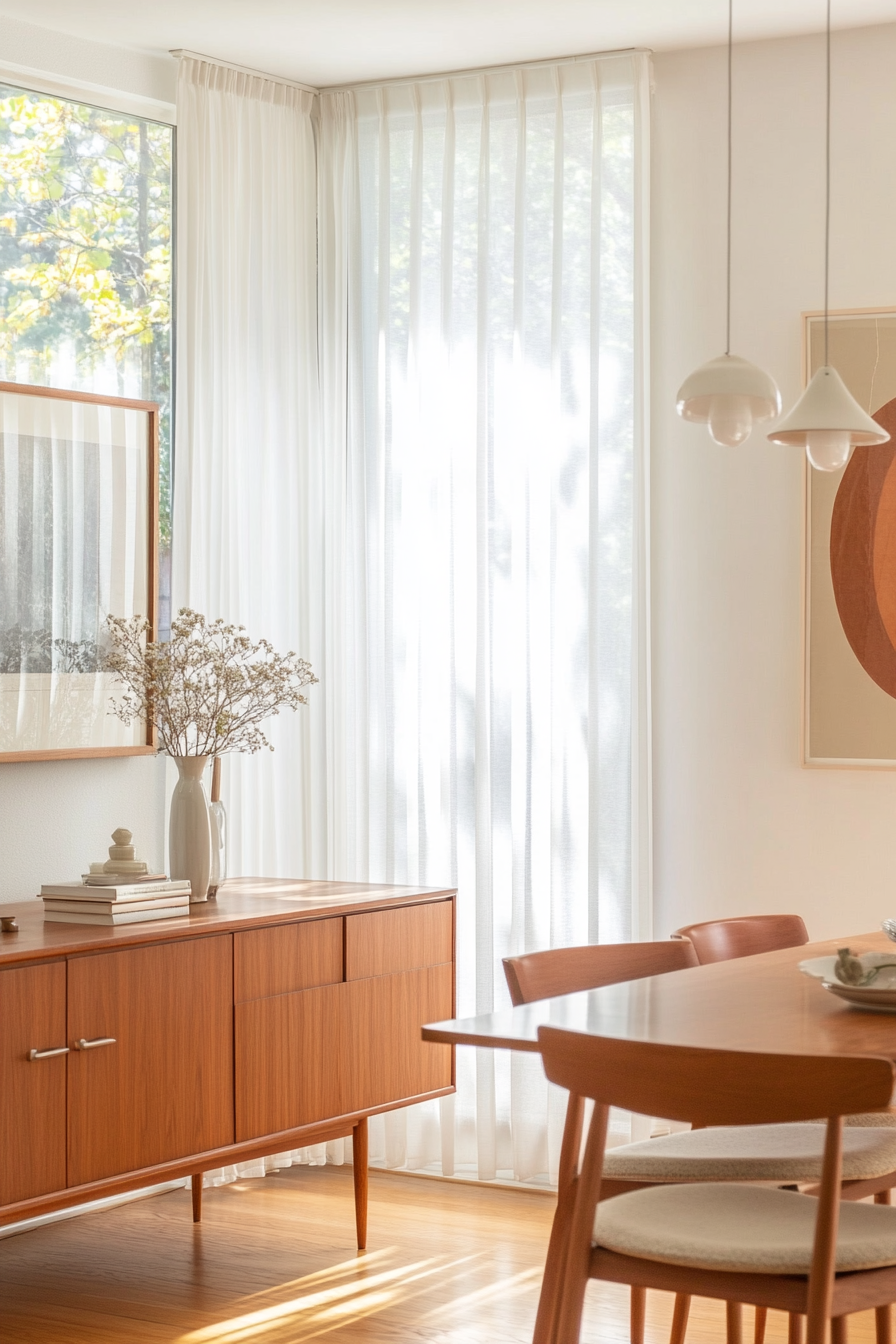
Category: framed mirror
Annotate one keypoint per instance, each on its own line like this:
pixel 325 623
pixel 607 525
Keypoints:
pixel 78 542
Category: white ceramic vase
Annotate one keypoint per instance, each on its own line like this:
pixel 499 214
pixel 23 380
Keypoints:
pixel 189 831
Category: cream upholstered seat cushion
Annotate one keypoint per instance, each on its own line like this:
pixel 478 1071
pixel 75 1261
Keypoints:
pixel 743 1228
pixel 785 1153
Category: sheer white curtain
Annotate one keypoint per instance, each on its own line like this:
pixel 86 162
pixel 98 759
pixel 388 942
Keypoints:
pixel 247 490
pixel 483 328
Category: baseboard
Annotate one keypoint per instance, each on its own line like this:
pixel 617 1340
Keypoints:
pixel 92 1206
pixel 529 1187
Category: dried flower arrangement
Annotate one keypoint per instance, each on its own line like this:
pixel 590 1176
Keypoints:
pixel 208 688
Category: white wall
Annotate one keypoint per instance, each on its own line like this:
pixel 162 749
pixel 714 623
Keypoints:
pixel 740 826
pixel 27 47
pixel 56 817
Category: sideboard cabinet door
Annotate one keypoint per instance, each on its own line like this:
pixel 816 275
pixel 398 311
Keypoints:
pixel 32 1091
pixel 162 1088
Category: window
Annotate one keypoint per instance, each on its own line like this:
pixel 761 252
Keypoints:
pixel 85 259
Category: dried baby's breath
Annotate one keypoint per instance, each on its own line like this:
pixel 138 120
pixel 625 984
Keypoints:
pixel 206 689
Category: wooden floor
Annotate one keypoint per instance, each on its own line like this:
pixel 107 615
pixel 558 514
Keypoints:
pixel 274 1262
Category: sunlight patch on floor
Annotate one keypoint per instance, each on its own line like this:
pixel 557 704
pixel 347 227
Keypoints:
pixel 528 1280
pixel 319 1309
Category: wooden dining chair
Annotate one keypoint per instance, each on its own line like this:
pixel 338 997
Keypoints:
pixel 566 970
pixel 743 936
pixel 815 1257
pixel 786 1154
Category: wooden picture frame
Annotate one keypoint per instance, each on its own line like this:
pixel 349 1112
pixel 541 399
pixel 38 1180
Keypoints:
pixel 79 524
pixel 848 721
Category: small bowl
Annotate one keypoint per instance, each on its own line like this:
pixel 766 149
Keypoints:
pixel 889 928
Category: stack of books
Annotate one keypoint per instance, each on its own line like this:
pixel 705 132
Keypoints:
pixel 117 903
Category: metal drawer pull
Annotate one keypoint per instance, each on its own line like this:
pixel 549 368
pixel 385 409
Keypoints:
pixel 93 1045
pixel 48 1054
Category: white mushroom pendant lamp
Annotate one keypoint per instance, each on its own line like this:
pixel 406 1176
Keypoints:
pixel 729 394
pixel 827 420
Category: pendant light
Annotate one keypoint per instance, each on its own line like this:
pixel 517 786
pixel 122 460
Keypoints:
pixel 827 420
pixel 728 393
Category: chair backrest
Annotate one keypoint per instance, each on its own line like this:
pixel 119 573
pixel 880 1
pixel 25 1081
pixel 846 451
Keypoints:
pixel 566 970
pixel 726 939
pixel 713 1087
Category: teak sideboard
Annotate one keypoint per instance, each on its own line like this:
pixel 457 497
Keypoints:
pixel 282 1014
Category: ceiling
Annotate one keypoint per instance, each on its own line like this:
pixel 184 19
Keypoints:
pixel 325 42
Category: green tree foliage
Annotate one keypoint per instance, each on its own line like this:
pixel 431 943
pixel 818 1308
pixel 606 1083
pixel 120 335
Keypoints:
pixel 85 253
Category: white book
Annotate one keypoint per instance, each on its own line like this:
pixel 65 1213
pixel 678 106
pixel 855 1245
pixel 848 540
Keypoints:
pixel 131 891
pixel 114 879
pixel 115 916
pixel 107 907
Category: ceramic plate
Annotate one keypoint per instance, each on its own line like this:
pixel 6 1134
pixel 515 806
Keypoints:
pixel 822 968
pixel 871 999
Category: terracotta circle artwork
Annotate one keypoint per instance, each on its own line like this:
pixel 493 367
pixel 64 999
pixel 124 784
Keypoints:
pixel 863 554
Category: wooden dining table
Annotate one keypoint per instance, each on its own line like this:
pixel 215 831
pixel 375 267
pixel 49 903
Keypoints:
pixel 761 1003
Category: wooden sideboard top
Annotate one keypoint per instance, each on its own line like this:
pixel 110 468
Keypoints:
pixel 242 903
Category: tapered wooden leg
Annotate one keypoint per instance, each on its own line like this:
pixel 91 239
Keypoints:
pixel 555 1264
pixel 359 1172
pixel 196 1195
pixel 638 1310
pixel 734 1323
pixel 794 1328
pixel 883 1317
pixel 759 1325
pixel 680 1318
pixel 838 1329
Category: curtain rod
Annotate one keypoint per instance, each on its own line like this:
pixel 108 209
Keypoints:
pixel 486 70
pixel 413 79
pixel 243 70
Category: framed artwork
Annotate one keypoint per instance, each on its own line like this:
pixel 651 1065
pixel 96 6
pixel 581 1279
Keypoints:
pixel 849 715
pixel 78 542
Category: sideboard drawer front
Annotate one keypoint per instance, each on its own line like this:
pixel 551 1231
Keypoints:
pixel 286 958
pixel 389 941
pixel 339 1050
pixel 389 1062
pixel 290 1060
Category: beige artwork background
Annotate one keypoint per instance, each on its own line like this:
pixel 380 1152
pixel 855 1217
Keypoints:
pixel 848 720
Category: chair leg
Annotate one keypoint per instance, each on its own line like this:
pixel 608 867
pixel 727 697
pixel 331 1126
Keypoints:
pixel 883 1319
pixel 794 1328
pixel 759 1325
pixel 680 1318
pixel 555 1265
pixel 734 1323
pixel 638 1310
pixel 838 1329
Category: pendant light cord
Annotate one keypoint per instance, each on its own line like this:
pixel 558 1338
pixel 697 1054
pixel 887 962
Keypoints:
pixel 827 183
pixel 728 277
